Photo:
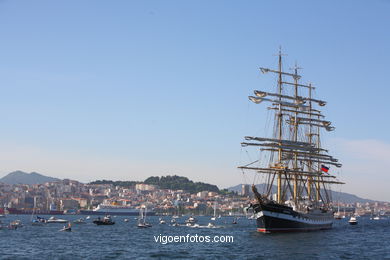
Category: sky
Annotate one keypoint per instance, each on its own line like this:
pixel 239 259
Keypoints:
pixel 124 90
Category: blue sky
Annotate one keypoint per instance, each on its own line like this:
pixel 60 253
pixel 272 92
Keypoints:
pixel 129 89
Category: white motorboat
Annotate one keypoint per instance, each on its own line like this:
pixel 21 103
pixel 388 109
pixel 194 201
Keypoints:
pixel 191 220
pixel 56 220
pixel 80 221
pixel 15 224
pixel 353 221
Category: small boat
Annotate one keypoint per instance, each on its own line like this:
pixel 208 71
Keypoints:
pixel 2 216
pixel 79 221
pixel 142 219
pixel 126 220
pixel 162 221
pixel 15 224
pixel 38 221
pixel 234 221
pixel 376 218
pixel 56 220
pixel 210 225
pixel 144 225
pixel 337 216
pixel 175 216
pixel 105 221
pixel 175 224
pixel 88 217
pixel 352 221
pixel 191 220
pixel 67 228
pixel 215 212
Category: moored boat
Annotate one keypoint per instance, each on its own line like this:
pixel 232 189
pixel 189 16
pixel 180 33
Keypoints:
pixel 56 220
pixel 105 221
pixel 142 219
pixel 79 221
pixel 191 220
pixel 114 210
pixel 353 221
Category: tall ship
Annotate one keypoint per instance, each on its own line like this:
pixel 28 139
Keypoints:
pixel 292 163
pixel 110 209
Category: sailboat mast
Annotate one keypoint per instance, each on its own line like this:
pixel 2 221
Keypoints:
pixel 280 120
pixel 309 179
pixel 295 195
pixel 318 195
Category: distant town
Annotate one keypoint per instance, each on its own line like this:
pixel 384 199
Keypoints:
pixel 71 197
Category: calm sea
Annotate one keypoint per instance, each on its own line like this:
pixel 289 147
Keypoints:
pixel 370 239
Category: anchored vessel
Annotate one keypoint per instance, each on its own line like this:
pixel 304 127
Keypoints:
pixel 292 159
pixel 105 209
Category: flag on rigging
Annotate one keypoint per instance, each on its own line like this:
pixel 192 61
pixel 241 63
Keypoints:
pixel 324 168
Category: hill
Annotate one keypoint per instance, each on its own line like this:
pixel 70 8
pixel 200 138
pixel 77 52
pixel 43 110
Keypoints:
pixel 19 177
pixel 166 182
pixel 337 196
pixel 180 183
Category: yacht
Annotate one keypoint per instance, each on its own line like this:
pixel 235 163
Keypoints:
pixel 80 221
pixel 353 221
pixel 56 220
pixel 105 221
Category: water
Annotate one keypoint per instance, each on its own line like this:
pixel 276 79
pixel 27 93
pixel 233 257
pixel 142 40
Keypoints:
pixel 368 240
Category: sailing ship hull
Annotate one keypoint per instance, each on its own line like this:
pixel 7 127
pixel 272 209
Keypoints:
pixel 284 219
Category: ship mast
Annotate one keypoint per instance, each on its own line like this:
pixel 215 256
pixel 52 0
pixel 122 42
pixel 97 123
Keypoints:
pixel 280 121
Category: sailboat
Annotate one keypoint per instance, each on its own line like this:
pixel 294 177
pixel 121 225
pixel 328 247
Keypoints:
pixel 295 161
pixel 142 219
pixel 337 215
pixel 215 211
pixel 38 221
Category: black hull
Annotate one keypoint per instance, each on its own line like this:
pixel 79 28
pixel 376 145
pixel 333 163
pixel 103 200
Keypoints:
pixel 273 219
pixel 103 223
